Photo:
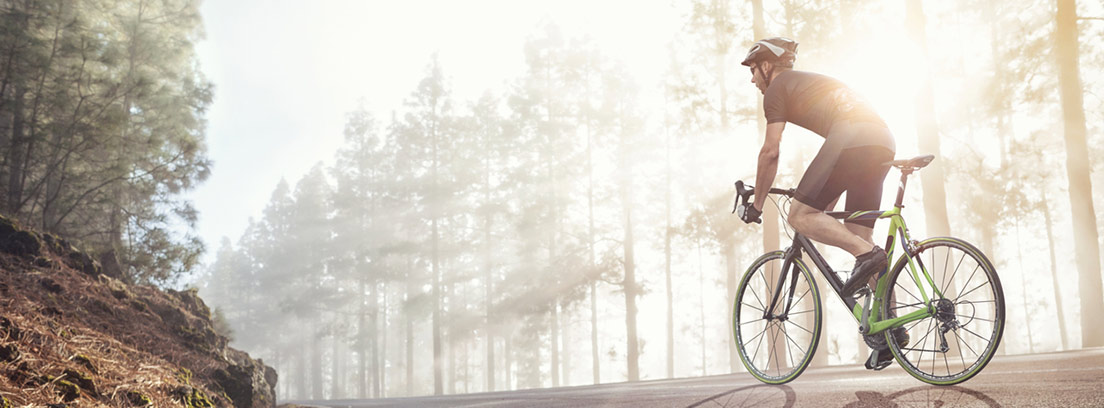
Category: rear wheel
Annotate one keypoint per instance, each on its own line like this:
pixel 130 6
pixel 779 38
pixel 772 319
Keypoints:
pixel 776 344
pixel 961 337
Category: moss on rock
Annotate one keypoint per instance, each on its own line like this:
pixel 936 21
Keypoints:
pixel 86 362
pixel 68 390
pixel 17 241
pixel 83 380
pixel 193 398
pixel 138 399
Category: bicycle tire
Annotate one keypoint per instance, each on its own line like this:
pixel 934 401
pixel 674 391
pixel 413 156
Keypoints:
pixel 756 288
pixel 977 310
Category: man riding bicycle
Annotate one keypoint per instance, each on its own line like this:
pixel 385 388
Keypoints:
pixel 857 144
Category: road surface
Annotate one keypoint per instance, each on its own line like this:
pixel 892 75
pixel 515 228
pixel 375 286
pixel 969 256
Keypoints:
pixel 1063 379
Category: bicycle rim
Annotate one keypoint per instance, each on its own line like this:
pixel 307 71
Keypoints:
pixel 970 314
pixel 776 351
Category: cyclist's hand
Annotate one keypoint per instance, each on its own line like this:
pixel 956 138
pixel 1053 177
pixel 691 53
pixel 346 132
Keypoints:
pixel 749 214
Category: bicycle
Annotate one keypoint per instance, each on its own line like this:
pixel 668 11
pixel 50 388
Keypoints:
pixel 972 312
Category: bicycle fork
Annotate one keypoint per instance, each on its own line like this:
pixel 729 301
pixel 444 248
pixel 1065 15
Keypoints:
pixel 788 267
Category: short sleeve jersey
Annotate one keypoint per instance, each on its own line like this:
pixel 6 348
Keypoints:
pixel 814 102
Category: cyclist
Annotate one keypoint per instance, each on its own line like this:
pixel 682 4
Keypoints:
pixel 856 144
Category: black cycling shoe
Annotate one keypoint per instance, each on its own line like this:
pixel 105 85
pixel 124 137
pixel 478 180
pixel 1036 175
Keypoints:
pixel 900 336
pixel 866 265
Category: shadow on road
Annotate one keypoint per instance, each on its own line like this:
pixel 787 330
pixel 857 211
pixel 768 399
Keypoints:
pixel 924 396
pixel 761 395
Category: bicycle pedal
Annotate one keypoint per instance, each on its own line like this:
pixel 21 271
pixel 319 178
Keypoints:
pixel 862 292
pixel 879 360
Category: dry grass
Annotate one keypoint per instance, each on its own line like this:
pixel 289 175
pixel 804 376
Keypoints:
pixel 67 324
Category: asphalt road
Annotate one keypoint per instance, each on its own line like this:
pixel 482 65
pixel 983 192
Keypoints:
pixel 1064 379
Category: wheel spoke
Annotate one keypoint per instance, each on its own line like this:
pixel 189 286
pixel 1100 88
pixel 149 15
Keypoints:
pixel 794 343
pixel 753 321
pixel 798 326
pixel 909 292
pixel 971 290
pixel 957 337
pixel 943 289
pixel 782 328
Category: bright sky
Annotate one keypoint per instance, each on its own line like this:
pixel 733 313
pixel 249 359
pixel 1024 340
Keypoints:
pixel 287 71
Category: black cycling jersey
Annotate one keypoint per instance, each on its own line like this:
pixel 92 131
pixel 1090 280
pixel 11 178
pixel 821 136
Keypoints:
pixel 816 102
pixel 856 146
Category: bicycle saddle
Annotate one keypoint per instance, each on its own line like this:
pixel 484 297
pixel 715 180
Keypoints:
pixel 917 162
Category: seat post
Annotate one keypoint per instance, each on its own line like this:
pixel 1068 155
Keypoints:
pixel 901 189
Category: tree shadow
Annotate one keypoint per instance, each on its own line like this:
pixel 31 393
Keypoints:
pixel 924 396
pixel 761 395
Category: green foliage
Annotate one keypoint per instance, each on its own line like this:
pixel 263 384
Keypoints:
pixel 106 107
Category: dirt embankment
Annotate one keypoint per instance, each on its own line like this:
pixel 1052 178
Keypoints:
pixel 73 336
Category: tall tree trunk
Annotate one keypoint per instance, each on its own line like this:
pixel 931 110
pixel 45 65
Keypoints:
pixel 335 369
pixel 409 366
pixel 362 325
pixel 1085 235
pixel 1023 290
pixel 508 362
pixel 373 345
pixel 381 384
pixel 437 385
pixel 316 364
pixel 450 343
pixel 595 372
pixel 1054 276
pixel 931 178
pixel 667 232
pixel 554 338
pixel 15 153
pixel 701 309
pixel 631 291
pixel 488 277
pixel 301 368
pixel 565 346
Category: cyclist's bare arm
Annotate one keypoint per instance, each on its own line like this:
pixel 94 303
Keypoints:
pixel 768 163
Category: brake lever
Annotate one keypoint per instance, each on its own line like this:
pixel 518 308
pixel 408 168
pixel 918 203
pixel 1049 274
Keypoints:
pixel 742 194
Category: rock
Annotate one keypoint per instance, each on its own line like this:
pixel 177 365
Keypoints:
pixel 82 262
pixel 137 399
pixel 83 380
pixel 86 362
pixel 51 285
pixel 67 390
pixel 17 241
pixel 8 329
pixel 192 397
pixel 110 265
pixel 9 353
pixel 248 382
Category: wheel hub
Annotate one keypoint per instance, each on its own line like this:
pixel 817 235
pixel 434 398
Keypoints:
pixel 944 310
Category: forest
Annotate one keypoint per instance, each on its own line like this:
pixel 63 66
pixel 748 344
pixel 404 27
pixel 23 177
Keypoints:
pixel 575 228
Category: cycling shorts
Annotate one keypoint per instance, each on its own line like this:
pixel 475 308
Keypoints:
pixel 850 160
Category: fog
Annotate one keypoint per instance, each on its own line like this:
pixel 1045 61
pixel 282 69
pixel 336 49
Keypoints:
pixel 526 207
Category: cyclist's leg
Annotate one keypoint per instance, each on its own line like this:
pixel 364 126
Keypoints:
pixel 821 227
pixel 821 185
pixel 864 189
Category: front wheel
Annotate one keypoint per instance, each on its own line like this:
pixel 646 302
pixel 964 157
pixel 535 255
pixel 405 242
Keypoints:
pixel 967 321
pixel 776 343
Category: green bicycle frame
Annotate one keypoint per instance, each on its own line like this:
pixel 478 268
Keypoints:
pixel 898 232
